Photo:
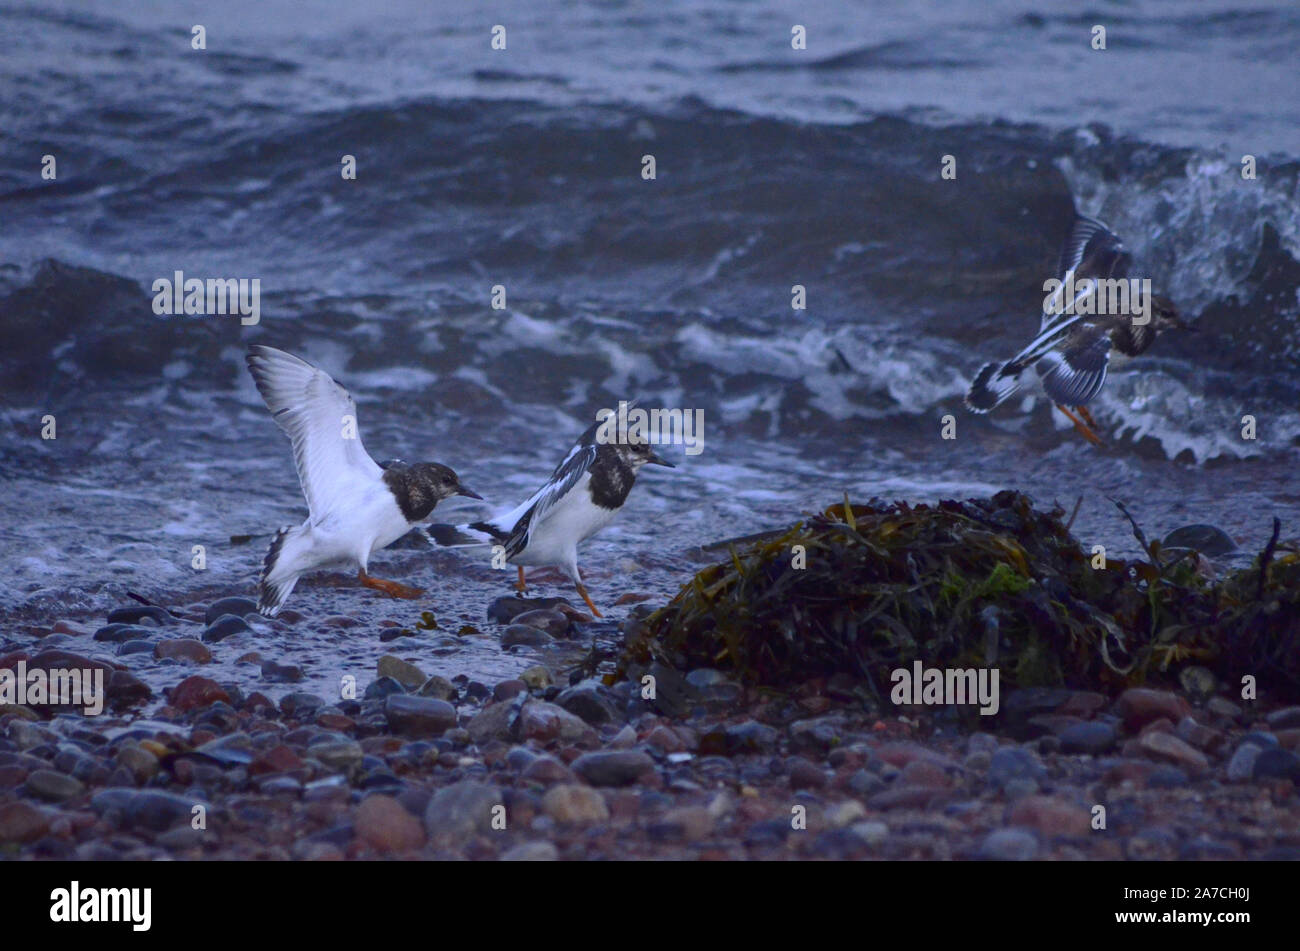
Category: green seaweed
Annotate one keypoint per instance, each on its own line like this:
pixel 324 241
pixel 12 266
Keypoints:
pixel 986 582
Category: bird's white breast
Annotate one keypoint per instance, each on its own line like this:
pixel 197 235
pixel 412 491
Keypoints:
pixel 575 519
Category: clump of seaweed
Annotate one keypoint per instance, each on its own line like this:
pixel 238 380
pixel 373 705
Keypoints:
pixel 866 589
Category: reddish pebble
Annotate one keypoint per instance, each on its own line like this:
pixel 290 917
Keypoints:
pixel 194 692
pixel 1138 706
pixel 278 759
pixel 385 825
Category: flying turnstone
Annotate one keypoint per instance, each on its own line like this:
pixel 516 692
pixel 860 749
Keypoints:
pixel 583 494
pixel 356 506
pixel 1072 349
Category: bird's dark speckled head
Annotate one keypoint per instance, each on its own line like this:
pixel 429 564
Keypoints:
pixel 1164 315
pixel 637 454
pixel 421 486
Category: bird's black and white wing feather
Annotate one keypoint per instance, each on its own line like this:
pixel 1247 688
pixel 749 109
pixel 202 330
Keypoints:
pixel 319 417
pixel 1091 251
pixel 1073 373
pixel 572 474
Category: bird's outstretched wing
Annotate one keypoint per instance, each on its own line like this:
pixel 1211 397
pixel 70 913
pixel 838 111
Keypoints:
pixel 1073 373
pixel 320 419
pixel 1091 250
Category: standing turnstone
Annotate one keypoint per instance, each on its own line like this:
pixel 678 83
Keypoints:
pixel 1073 345
pixel 583 494
pixel 356 506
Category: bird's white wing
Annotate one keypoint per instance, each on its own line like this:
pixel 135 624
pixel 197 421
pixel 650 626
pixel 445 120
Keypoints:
pixel 320 419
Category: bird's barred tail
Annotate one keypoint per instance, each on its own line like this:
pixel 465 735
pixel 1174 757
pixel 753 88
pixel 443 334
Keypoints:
pixel 993 384
pixel 275 583
pixel 474 535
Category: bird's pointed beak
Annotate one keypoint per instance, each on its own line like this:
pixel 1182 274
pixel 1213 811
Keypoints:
pixel 658 460
pixel 470 493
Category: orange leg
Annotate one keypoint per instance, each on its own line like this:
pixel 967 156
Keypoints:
pixel 582 590
pixel 391 588
pixel 519 585
pixel 1081 426
pixel 1087 417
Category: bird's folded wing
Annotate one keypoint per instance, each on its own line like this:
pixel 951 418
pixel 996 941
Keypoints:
pixel 320 419
pixel 573 470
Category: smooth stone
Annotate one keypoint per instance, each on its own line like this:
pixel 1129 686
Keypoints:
pixel 340 755
pixel 225 626
pixel 1010 764
pixel 135 647
pixel 575 804
pixel 1050 816
pixel 553 622
pixel 537 677
pixel 1166 777
pixel 22 822
pixel 235 607
pixel 151 809
pixel 233 749
pixel 1221 707
pixel 870 833
pixel 1287 718
pixel 183 648
pixel 384 824
pixel 508 690
pixel 497 721
pixel 53 786
pixel 819 735
pixel 1272 763
pixel 591 700
pixel 505 609
pixel 621 768
pixel 439 688
pixel 691 822
pixel 61 641
pixel 120 633
pixel 1170 748
pixel 418 716
pixel 747 737
pixel 125 689
pixel 281 673
pixel 546 771
pixel 1139 706
pixel 300 704
pixel 521 635
pixel 865 783
pixel 532 852
pixel 539 720
pixel 1093 736
pixel 140 762
pixel 134 614
pixel 27 735
pixel 404 672
pixel 382 688
pixel 1242 765
pixel 280 758
pixel 459 811
pixel 1009 845
pixel 1206 539
pixel 194 692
